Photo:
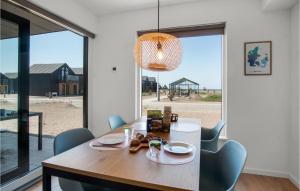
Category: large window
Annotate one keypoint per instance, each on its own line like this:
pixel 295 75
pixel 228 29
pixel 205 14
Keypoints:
pixel 194 89
pixel 42 88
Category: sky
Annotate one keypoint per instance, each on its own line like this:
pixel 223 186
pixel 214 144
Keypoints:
pixel 201 63
pixel 201 60
pixel 57 47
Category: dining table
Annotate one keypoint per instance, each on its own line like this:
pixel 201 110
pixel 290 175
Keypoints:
pixel 123 170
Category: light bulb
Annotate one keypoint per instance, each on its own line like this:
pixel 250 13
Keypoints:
pixel 160 54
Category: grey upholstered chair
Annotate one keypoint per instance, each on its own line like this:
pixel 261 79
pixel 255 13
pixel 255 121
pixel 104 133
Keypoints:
pixel 115 121
pixel 210 137
pixel 219 171
pixel 65 141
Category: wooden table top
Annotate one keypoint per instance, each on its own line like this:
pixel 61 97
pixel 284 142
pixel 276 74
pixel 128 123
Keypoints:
pixel 134 169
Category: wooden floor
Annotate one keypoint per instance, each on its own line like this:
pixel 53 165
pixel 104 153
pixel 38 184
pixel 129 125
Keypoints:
pixel 247 182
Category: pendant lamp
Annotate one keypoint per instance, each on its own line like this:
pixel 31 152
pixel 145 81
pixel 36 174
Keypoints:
pixel 158 51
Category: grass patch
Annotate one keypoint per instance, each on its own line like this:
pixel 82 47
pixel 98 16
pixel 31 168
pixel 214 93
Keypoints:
pixel 212 98
pixel 146 94
pixel 203 98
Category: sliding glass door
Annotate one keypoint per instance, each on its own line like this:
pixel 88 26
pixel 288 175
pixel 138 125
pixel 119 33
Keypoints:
pixel 14 113
pixel 43 89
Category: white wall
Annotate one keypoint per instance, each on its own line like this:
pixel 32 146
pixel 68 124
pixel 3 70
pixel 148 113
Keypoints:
pixel 258 107
pixel 278 4
pixel 294 92
pixel 71 11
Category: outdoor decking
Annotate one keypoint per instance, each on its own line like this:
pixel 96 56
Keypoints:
pixel 9 152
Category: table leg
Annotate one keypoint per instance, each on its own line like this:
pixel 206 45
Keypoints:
pixel 46 180
pixel 40 138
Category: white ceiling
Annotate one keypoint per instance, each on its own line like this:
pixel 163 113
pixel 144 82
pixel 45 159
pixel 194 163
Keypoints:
pixel 271 5
pixel 102 7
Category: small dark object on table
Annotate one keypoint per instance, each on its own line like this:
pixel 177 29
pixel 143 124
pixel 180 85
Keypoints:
pixel 174 117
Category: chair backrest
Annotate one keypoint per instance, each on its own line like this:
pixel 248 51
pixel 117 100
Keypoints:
pixel 71 138
pixel 215 132
pixel 231 160
pixel 115 121
pixel 65 141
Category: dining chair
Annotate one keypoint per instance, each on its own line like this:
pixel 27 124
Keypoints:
pixel 210 137
pixel 220 170
pixel 115 121
pixel 65 141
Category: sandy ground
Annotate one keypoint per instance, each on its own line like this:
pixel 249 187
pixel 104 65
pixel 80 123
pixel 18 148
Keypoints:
pixel 59 114
pixel 209 113
pixel 63 113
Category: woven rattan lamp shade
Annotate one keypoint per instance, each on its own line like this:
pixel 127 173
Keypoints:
pixel 158 52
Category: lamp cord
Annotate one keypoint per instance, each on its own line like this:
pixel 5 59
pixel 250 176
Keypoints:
pixel 158 15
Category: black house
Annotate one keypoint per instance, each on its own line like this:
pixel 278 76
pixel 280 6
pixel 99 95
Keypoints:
pixel 79 72
pixel 3 84
pixel 12 83
pixel 149 84
pixel 53 78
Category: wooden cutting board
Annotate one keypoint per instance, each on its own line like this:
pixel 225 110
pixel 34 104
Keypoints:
pixel 137 148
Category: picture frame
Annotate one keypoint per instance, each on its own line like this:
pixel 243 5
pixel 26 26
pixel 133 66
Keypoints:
pixel 258 58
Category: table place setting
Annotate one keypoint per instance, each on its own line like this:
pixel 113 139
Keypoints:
pixel 113 141
pixel 160 151
pixel 150 133
pixel 173 153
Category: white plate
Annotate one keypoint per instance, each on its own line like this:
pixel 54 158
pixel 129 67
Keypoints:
pixel 178 148
pixel 112 139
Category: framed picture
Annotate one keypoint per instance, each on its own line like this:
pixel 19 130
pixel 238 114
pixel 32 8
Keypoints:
pixel 258 58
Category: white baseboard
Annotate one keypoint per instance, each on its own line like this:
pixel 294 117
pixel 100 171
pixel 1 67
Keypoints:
pixel 294 181
pixel 273 174
pixel 266 172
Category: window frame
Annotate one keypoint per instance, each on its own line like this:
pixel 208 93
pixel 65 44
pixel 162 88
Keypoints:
pixel 190 31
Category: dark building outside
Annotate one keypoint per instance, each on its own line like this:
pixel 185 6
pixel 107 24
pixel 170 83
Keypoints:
pixel 149 84
pixel 52 79
pixel 46 80
pixel 12 83
pixel 3 84
pixel 79 72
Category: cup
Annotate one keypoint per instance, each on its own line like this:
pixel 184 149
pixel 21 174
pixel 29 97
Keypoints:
pixel 154 147
pixel 129 132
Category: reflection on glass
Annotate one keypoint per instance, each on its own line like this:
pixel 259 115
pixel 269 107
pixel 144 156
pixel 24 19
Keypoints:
pixel 8 96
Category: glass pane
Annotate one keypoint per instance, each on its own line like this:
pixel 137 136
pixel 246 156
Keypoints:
pixel 194 89
pixel 56 89
pixel 9 96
